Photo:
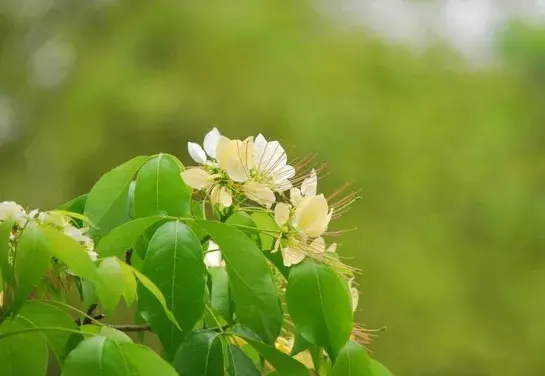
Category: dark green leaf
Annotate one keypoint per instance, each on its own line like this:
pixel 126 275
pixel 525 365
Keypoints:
pixel 174 262
pixel 379 369
pixel 239 363
pixel 32 259
pixel 24 354
pixel 43 314
pixel 268 227
pixel 160 189
pixel 220 298
pixel 124 237
pixel 352 361
pixel 252 286
pixel 201 354
pixel 284 364
pixel 320 305
pixel 108 201
pixel 300 344
pixel 5 266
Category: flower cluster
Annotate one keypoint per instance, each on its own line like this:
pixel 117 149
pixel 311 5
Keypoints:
pixel 255 169
pixel 11 211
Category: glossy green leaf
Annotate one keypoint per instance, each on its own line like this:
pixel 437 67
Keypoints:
pixel 118 281
pixel 352 361
pixel 201 354
pixel 244 222
pixel 174 262
pixel 284 364
pixel 70 252
pixel 268 228
pixel 32 259
pixel 22 354
pixel 102 356
pixel 220 297
pixel 107 203
pixel 252 286
pixel 142 243
pixel 300 344
pixel 160 189
pixel 106 331
pixel 239 363
pixel 5 266
pixel 39 314
pixel 124 237
pixel 75 205
pixel 379 369
pixel 320 305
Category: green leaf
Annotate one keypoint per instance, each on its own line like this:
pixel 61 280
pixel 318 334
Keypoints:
pixel 268 227
pixel 201 354
pixel 320 305
pixel 379 369
pixel 22 354
pixel 32 258
pixel 246 224
pixel 102 356
pixel 106 331
pixel 5 266
pixel 160 189
pixel 124 237
pixel 352 361
pixel 174 262
pixel 70 252
pixel 284 364
pixel 43 314
pixel 75 205
pixel 118 281
pixel 220 297
pixel 107 204
pixel 239 363
pixel 300 344
pixel 252 286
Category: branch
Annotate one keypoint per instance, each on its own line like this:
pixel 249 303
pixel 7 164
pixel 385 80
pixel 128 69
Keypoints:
pixel 128 256
pixel 131 328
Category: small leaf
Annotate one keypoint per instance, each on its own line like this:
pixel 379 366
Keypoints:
pixel 106 331
pixel 22 354
pixel 220 297
pixel 268 227
pixel 246 224
pixel 239 363
pixel 145 362
pixel 252 286
pixel 201 354
pixel 113 287
pixel 124 237
pixel 160 189
pixel 352 361
pixel 379 369
pixel 107 203
pixel 75 205
pixel 32 258
pixel 174 262
pixel 284 364
pixel 320 305
pixel 5 266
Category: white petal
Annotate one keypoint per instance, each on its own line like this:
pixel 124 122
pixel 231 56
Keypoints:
pixel 309 186
pixel 235 157
pixel 212 246
pixel 281 213
pixel 311 216
pixel 196 152
pixel 197 178
pixel 354 294
pixel 259 193
pixel 211 142
pixel 226 198
pixel 318 245
pixel 295 196
pixel 292 256
pixel 212 259
pixel 332 248
pixel 13 211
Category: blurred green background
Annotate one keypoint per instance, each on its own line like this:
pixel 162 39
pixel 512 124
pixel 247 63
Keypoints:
pixel 449 154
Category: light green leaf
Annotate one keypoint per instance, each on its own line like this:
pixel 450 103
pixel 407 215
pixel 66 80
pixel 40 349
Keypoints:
pixel 32 259
pixel 145 362
pixel 124 237
pixel 268 228
pixel 379 369
pixel 320 305
pixel 201 354
pixel 220 297
pixel 239 363
pixel 174 262
pixel 117 281
pixel 352 361
pixel 246 224
pixel 75 205
pixel 22 354
pixel 252 286
pixel 160 189
pixel 106 331
pixel 107 203
pixel 5 266
pixel 43 314
pixel 284 364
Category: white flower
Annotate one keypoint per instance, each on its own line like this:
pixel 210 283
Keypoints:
pixel 259 193
pixel 197 178
pixel 308 188
pixel 282 213
pixel 270 164
pixel 235 157
pixel 354 293
pixel 312 216
pixel 12 211
pixel 221 195
pixel 213 258
pixel 196 152
pixel 210 142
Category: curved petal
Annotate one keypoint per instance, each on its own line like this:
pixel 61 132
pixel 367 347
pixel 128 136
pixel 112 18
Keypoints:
pixel 332 248
pixel 311 215
pixel 259 193
pixel 292 256
pixel 295 196
pixel 310 184
pixel 221 196
pixel 212 259
pixel 197 178
pixel 196 152
pixel 320 226
pixel 211 142
pixel 281 213
pixel 235 157
pixel 318 245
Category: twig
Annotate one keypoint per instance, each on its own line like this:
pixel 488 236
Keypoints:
pixel 90 313
pixel 131 328
pixel 128 256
